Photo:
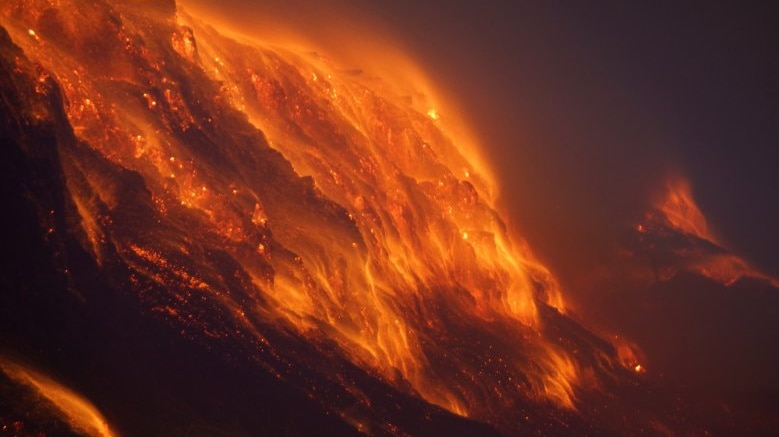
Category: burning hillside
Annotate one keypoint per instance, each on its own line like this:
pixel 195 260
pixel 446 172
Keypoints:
pixel 212 235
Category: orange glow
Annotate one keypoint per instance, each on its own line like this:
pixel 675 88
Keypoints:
pixel 679 212
pixel 629 354
pixel 79 413
pixel 361 218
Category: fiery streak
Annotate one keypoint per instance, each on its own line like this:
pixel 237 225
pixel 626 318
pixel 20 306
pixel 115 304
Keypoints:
pixel 682 213
pixel 82 416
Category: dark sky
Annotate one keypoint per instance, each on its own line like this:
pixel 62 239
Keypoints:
pixel 585 108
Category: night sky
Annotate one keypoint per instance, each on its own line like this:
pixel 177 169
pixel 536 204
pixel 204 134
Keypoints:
pixel 584 109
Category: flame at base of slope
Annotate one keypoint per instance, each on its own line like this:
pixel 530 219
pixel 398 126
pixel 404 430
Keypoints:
pixel 348 215
pixel 676 234
pixel 78 412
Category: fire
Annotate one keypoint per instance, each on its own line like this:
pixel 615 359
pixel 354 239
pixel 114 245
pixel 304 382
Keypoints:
pixel 359 218
pixel 82 416
pixel 629 354
pixel 696 244
pixel 682 212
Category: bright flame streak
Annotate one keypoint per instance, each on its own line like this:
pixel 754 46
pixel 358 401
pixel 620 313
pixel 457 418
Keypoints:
pixel 558 383
pixel 682 212
pixel 80 413
pixel 90 226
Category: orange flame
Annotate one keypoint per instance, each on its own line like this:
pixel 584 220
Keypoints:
pixel 680 212
pixel 80 414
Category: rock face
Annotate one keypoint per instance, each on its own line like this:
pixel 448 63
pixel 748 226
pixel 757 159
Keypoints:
pixel 211 237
